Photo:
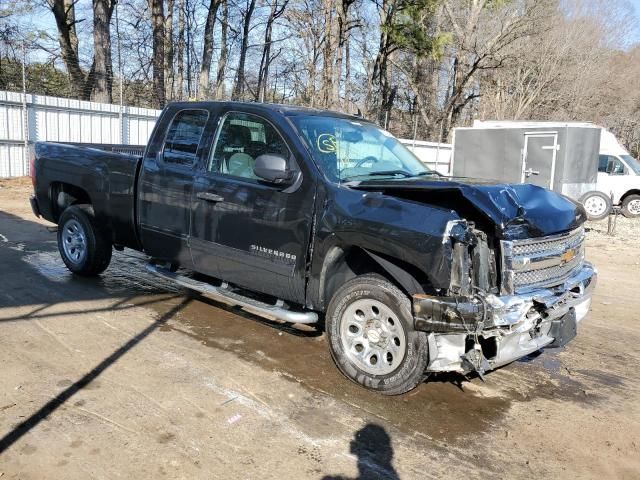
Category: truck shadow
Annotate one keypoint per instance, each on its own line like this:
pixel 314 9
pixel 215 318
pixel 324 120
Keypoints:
pixel 26 285
pixel 56 402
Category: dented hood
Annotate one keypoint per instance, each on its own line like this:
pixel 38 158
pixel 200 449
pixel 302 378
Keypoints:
pixel 516 210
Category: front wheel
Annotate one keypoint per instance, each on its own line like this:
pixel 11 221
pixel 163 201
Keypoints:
pixel 371 336
pixel 597 205
pixel 85 248
pixel 631 206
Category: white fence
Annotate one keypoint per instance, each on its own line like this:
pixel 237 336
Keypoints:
pixel 436 156
pixel 25 119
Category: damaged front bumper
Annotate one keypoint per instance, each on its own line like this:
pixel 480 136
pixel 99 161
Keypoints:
pixel 485 332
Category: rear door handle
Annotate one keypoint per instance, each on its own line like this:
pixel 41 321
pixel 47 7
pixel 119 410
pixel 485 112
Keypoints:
pixel 210 197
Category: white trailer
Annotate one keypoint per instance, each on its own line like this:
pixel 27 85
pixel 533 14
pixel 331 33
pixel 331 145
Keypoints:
pixel 580 159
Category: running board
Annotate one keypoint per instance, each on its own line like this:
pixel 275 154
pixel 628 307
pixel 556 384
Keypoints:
pixel 225 295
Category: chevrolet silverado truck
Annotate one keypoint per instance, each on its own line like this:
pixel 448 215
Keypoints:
pixel 306 216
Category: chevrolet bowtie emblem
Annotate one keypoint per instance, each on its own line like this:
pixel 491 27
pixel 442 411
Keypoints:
pixel 568 255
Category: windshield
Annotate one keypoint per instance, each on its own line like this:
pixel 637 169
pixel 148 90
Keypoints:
pixel 632 162
pixel 350 150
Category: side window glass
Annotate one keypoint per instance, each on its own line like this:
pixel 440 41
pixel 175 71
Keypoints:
pixel 615 166
pixel 242 138
pixel 183 137
pixel 603 163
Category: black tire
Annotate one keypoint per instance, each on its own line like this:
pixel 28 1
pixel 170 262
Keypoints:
pixel 630 206
pixel 591 199
pixel 411 370
pixel 96 244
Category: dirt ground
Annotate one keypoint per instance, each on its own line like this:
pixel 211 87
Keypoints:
pixel 123 377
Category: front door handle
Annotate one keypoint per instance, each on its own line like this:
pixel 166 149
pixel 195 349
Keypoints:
pixel 210 197
pixel 531 171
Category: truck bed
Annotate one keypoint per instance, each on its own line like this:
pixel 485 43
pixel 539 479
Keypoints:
pixel 107 179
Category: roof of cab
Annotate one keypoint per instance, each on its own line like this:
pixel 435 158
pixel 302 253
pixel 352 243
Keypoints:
pixel 288 110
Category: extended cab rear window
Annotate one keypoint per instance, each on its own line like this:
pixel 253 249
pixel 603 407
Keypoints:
pixel 183 137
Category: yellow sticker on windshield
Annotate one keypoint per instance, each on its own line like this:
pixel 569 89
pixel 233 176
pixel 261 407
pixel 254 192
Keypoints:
pixel 326 143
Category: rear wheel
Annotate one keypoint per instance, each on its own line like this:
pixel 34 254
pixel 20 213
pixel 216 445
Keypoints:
pixel 371 336
pixel 597 205
pixel 631 206
pixel 85 248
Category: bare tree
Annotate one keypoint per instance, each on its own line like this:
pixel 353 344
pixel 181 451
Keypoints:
pixel 207 48
pixel 418 67
pixel 169 50
pixel 157 23
pixel 343 27
pixel 275 12
pixel 64 13
pixel 303 60
pixel 102 67
pixel 224 51
pixel 180 51
pixel 239 85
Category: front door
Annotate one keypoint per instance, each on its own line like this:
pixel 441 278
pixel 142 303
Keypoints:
pixel 244 230
pixel 614 177
pixel 539 158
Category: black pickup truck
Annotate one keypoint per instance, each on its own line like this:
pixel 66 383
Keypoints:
pixel 305 215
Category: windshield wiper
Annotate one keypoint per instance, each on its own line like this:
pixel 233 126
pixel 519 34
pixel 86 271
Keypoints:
pixel 383 173
pixel 429 172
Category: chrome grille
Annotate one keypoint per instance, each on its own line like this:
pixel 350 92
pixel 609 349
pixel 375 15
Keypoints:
pixel 541 262
pixel 549 245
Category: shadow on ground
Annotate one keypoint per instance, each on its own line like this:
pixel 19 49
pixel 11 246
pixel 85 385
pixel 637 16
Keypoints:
pixel 448 407
pixel 372 447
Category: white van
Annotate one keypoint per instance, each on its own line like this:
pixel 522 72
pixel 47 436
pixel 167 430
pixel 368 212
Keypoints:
pixel 618 178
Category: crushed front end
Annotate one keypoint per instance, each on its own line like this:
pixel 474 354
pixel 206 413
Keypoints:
pixel 507 299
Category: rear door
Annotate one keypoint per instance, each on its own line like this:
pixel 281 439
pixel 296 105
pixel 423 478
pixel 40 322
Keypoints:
pixel 243 230
pixel 166 182
pixel 539 158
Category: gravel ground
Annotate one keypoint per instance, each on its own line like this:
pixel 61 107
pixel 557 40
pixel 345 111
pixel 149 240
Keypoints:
pixel 627 230
pixel 122 376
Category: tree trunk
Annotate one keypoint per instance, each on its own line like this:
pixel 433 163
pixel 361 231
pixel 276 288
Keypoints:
pixel 238 88
pixel 265 62
pixel 222 61
pixel 103 70
pixel 168 50
pixel 263 71
pixel 341 39
pixel 207 48
pixel 326 91
pixel 157 24
pixel 65 16
pixel 380 75
pixel 190 22
pixel 347 70
pixel 180 52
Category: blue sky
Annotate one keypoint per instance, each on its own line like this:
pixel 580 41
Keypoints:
pixel 636 6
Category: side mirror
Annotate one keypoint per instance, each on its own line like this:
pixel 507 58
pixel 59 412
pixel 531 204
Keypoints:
pixel 272 168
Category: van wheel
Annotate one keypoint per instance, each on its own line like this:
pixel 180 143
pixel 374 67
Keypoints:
pixel 369 325
pixel 85 248
pixel 597 205
pixel 631 206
